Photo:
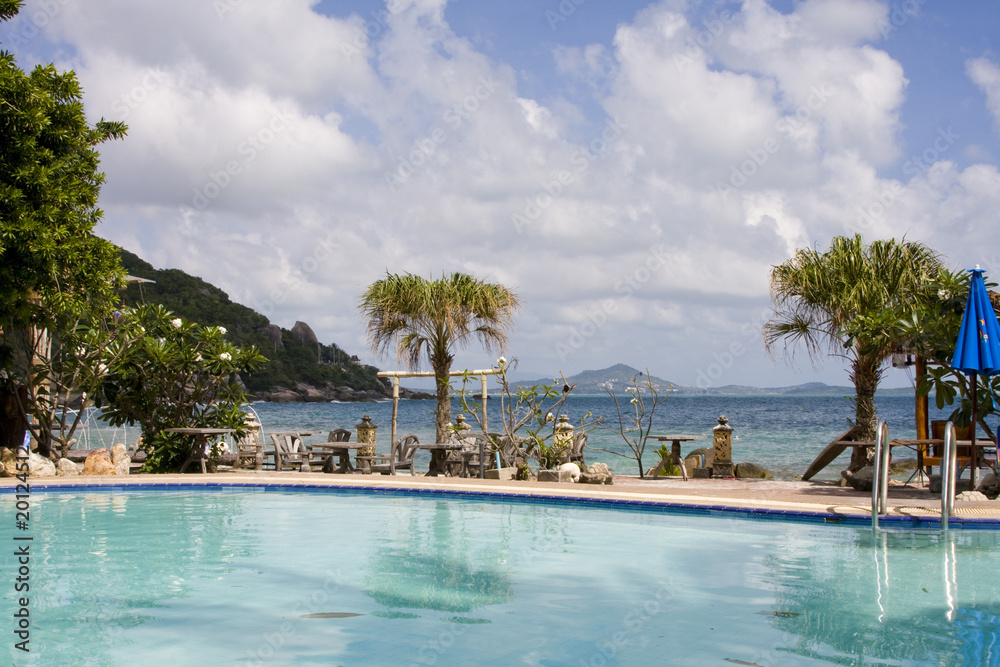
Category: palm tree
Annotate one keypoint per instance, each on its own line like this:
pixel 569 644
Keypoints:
pixel 416 315
pixel 817 296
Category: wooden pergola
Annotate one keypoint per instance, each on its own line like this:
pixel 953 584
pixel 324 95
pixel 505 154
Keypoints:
pixel 395 375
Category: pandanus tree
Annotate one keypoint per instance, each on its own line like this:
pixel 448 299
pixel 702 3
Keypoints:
pixel 818 296
pixel 416 316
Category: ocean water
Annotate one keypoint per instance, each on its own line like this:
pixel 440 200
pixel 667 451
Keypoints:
pixel 782 433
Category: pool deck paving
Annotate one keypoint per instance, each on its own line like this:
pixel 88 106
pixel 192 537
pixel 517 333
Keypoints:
pixel 757 496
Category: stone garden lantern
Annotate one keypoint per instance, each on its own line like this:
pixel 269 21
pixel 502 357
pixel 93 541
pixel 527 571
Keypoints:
pixel 366 434
pixel 722 445
pixel 563 434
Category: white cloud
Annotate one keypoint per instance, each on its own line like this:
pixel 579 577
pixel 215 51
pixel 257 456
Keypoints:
pixel 715 151
pixel 985 74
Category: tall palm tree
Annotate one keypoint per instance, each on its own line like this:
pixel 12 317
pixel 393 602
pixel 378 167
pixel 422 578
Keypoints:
pixel 817 296
pixel 416 315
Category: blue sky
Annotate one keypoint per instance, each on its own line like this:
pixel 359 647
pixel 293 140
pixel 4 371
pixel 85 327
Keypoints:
pixel 632 169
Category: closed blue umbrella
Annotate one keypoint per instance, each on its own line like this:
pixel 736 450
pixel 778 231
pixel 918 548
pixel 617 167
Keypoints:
pixel 977 350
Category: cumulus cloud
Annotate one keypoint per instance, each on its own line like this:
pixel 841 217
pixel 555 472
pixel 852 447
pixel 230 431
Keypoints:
pixel 985 74
pixel 292 158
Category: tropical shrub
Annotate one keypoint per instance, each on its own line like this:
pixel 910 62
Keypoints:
pixel 177 375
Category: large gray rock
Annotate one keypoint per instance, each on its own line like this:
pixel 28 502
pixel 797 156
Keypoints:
pixel 39 466
pixel 303 333
pixel 989 485
pixel 693 459
pixel 66 468
pixel 752 471
pixel 860 480
pixel 971 496
pixel 273 333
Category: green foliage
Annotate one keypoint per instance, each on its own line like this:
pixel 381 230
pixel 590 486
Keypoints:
pixel 177 375
pixel 820 296
pixel 54 271
pixel 530 409
pixel 288 364
pixel 635 421
pixel 416 316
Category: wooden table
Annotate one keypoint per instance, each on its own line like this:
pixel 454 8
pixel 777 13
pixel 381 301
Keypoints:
pixel 343 453
pixel 440 461
pixel 198 449
pixel 675 451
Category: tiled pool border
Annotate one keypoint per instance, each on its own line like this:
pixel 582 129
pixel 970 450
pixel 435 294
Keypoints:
pixel 733 510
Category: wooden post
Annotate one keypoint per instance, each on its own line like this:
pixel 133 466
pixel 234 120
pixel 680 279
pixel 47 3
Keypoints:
pixel 920 409
pixel 395 409
pixel 482 379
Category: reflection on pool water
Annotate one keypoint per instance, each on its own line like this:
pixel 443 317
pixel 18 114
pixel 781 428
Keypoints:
pixel 245 577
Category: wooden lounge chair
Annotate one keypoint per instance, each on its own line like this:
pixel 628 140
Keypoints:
pixel 474 444
pixel 289 452
pixel 400 458
pixel 575 452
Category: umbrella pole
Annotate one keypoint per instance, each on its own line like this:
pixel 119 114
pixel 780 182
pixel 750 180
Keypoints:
pixel 974 475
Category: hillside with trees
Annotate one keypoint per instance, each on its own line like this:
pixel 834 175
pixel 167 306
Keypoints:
pixel 298 368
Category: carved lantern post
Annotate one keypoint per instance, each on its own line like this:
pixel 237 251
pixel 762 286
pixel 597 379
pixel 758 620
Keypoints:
pixel 366 434
pixel 563 436
pixel 722 445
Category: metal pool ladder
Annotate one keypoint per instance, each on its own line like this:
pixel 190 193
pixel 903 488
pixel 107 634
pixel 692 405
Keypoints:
pixel 880 474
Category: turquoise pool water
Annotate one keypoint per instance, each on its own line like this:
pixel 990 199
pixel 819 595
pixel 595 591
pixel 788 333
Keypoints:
pixel 250 577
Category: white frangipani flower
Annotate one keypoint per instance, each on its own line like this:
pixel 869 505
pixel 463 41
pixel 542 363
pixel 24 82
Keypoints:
pixel 225 356
pixel 177 322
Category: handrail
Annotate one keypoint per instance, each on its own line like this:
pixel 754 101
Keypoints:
pixel 949 460
pixel 880 473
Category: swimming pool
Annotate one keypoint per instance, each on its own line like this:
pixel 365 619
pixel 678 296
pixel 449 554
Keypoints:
pixel 259 576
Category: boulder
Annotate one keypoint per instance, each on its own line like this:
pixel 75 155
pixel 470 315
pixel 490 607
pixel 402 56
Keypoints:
pixel 303 333
pixel 99 463
pixel 989 485
pixel 118 452
pixel 66 468
pixel 860 480
pixel 9 461
pixel 273 334
pixel 693 459
pixel 39 466
pixel 597 473
pixel 752 471
pixel 573 470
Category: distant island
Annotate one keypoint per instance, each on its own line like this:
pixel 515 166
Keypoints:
pixel 616 378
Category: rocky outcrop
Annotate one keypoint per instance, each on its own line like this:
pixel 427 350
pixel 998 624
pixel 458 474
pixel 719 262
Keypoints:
pixel 9 460
pixel 273 333
pixel 66 468
pixel 303 333
pixel 306 393
pixel 752 471
pixel 99 463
